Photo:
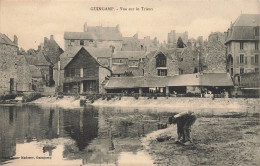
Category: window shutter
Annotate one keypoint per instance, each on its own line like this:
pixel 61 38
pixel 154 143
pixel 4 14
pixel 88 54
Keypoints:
pixel 238 60
pixel 245 60
pixel 252 60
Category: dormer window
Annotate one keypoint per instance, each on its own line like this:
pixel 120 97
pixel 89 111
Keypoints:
pixel 160 60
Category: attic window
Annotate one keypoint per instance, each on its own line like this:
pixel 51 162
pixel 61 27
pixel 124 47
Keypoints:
pixel 81 42
pixel 256 31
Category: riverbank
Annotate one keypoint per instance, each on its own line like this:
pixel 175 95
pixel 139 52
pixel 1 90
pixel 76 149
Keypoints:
pixel 218 140
pixel 224 104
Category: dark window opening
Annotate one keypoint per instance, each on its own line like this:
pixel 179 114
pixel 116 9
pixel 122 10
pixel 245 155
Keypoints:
pixel 180 71
pixel 256 45
pixel 241 45
pixel 241 70
pixel 195 70
pixel 181 59
pixel 256 31
pixel 256 59
pixel 81 42
pixel 160 60
pixel 162 72
pixel 241 58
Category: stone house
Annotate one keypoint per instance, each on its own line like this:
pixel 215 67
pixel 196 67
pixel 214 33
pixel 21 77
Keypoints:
pixel 79 70
pixel 45 58
pixel 14 70
pixel 127 63
pixel 95 36
pixel 213 56
pixel 242 42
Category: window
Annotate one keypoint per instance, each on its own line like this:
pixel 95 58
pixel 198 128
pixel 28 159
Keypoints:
pixel 81 42
pixel 193 59
pixel 241 58
pixel 231 71
pixel 256 69
pixel 256 45
pixel 241 45
pixel 143 72
pixel 256 31
pixel 241 70
pixel 72 72
pixel 162 72
pixel 181 59
pixel 180 71
pixel 160 60
pixel 256 59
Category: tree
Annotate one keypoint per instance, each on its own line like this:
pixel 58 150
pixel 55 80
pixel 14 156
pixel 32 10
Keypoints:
pixel 180 43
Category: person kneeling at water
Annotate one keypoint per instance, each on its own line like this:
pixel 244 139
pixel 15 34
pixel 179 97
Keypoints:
pixel 184 122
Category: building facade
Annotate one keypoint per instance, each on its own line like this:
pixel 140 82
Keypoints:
pixel 79 71
pixel 95 36
pixel 242 42
pixel 15 74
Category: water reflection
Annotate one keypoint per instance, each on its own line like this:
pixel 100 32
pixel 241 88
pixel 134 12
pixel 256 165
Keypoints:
pixel 84 136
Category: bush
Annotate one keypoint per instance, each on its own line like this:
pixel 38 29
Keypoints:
pixel 8 97
pixel 109 98
pixel 103 97
pixel 31 97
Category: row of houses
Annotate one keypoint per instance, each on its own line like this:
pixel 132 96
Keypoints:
pixel 101 60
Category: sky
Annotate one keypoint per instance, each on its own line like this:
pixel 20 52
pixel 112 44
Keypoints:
pixel 32 20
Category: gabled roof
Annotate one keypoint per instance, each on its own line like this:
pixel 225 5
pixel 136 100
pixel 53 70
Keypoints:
pixel 206 79
pixel 132 55
pixel 52 50
pixel 68 55
pixel 42 60
pixel 5 40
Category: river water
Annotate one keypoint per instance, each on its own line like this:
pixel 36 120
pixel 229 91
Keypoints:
pixel 38 135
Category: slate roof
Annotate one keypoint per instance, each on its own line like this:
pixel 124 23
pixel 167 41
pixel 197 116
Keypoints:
pixel 5 40
pixel 97 34
pixel 42 60
pixel 206 79
pixel 248 20
pixel 131 55
pixel 68 55
pixel 243 28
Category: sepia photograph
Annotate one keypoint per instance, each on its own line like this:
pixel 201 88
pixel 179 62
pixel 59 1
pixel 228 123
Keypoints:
pixel 129 82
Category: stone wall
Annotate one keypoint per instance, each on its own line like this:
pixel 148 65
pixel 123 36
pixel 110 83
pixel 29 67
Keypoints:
pixel 250 80
pixel 150 65
pixel 13 66
pixel 188 61
pixel 214 57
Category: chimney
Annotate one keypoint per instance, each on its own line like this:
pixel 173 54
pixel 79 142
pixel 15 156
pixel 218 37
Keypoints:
pixel 51 37
pixel 15 40
pixel 39 48
pixel 45 40
pixel 85 29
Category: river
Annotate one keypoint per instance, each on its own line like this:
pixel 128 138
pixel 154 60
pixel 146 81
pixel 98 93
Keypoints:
pixel 38 135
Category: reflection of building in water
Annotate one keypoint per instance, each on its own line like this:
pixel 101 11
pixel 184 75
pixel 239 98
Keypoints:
pixel 7 133
pixel 27 124
pixel 81 126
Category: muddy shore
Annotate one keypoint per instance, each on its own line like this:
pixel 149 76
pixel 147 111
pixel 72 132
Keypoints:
pixel 218 140
pixel 229 135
